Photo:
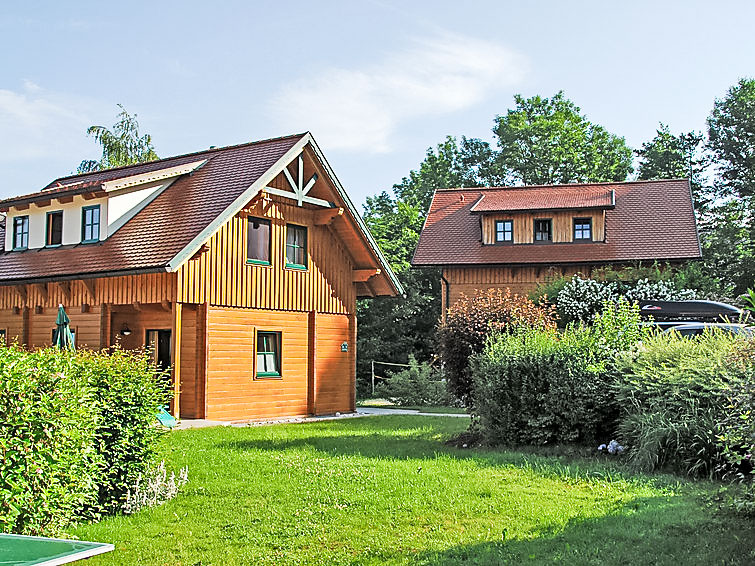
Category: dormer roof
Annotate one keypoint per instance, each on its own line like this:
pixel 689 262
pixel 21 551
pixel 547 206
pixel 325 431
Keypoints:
pixel 565 197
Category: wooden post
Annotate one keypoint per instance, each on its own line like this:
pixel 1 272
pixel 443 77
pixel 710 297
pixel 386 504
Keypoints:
pixel 176 351
pixel 104 326
pixel 312 364
pixel 201 379
pixel 26 334
pixel 353 360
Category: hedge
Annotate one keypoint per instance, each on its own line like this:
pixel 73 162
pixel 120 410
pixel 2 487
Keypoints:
pixel 76 429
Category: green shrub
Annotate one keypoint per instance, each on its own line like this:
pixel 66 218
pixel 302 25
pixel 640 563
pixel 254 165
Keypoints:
pixel 419 384
pixel 737 438
pixel 540 387
pixel 76 429
pixel 48 461
pixel 472 320
pixel 673 396
pixel 128 395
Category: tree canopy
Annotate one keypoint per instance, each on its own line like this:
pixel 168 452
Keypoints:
pixel 731 138
pixel 545 141
pixel 120 146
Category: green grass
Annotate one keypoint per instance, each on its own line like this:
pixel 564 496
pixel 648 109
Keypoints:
pixel 387 490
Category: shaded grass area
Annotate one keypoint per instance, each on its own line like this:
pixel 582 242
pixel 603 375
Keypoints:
pixel 387 490
pixel 385 404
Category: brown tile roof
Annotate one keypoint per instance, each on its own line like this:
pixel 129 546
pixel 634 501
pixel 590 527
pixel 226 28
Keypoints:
pixel 651 220
pixel 514 199
pixel 164 227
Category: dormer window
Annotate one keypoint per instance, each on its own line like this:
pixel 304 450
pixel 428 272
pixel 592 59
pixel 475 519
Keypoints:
pixel 582 229
pixel 20 232
pixel 90 224
pixel 504 231
pixel 54 235
pixel 543 230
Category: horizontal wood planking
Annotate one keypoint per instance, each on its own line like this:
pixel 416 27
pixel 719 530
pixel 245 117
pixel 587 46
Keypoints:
pixel 222 277
pixel 13 324
pixel 232 389
pixel 333 368
pixel 85 325
pixel 522 280
pixel 562 225
pixel 124 290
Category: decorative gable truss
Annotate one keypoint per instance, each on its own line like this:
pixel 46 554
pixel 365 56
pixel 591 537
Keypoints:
pixel 299 187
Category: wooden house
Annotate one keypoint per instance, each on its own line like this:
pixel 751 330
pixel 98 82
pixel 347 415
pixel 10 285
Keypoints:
pixel 238 267
pixel 517 237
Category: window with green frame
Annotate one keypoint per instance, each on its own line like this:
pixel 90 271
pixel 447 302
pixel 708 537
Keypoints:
pixel 20 232
pixel 90 224
pixel 258 241
pixel 268 354
pixel 296 246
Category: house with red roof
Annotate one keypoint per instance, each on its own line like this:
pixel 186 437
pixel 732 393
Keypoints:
pixel 238 267
pixel 518 237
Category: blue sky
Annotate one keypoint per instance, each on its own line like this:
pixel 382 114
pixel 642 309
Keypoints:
pixel 377 82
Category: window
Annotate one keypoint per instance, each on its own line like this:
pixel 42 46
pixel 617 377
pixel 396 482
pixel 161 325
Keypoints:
pixel 54 228
pixel 268 354
pixel 90 224
pixel 504 231
pixel 583 228
pixel 543 232
pixel 20 232
pixel 296 246
pixel 258 241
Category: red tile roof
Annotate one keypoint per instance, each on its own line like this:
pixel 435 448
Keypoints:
pixel 651 220
pixel 164 227
pixel 544 198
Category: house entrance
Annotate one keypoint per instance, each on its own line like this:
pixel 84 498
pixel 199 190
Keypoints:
pixel 158 343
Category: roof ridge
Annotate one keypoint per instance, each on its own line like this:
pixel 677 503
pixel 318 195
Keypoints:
pixel 179 156
pixel 560 185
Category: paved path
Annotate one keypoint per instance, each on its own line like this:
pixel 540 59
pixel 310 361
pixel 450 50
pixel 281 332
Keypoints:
pixel 360 412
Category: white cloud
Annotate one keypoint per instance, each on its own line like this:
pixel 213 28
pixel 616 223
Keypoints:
pixel 36 124
pixel 361 109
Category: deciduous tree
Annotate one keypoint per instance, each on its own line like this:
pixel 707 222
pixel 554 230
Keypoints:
pixel 120 146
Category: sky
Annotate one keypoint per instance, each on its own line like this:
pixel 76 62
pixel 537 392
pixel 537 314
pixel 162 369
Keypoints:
pixel 377 82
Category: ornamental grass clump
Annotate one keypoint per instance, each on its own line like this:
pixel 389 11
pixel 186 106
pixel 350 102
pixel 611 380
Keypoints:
pixel 472 320
pixel 674 395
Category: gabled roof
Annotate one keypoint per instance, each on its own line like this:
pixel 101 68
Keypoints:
pixel 650 220
pixel 171 228
pixel 513 199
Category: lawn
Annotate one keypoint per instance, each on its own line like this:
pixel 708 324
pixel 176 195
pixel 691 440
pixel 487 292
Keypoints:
pixel 387 490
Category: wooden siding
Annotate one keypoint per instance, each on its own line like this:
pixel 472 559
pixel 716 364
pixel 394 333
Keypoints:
pixel 124 290
pixel 562 225
pixel 13 323
pixel 522 280
pixel 333 387
pixel 233 392
pixel 222 277
pixel 86 325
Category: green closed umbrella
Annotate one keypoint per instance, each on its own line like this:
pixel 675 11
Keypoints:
pixel 63 336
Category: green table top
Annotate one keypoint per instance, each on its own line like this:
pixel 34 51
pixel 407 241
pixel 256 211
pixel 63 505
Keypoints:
pixel 18 550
